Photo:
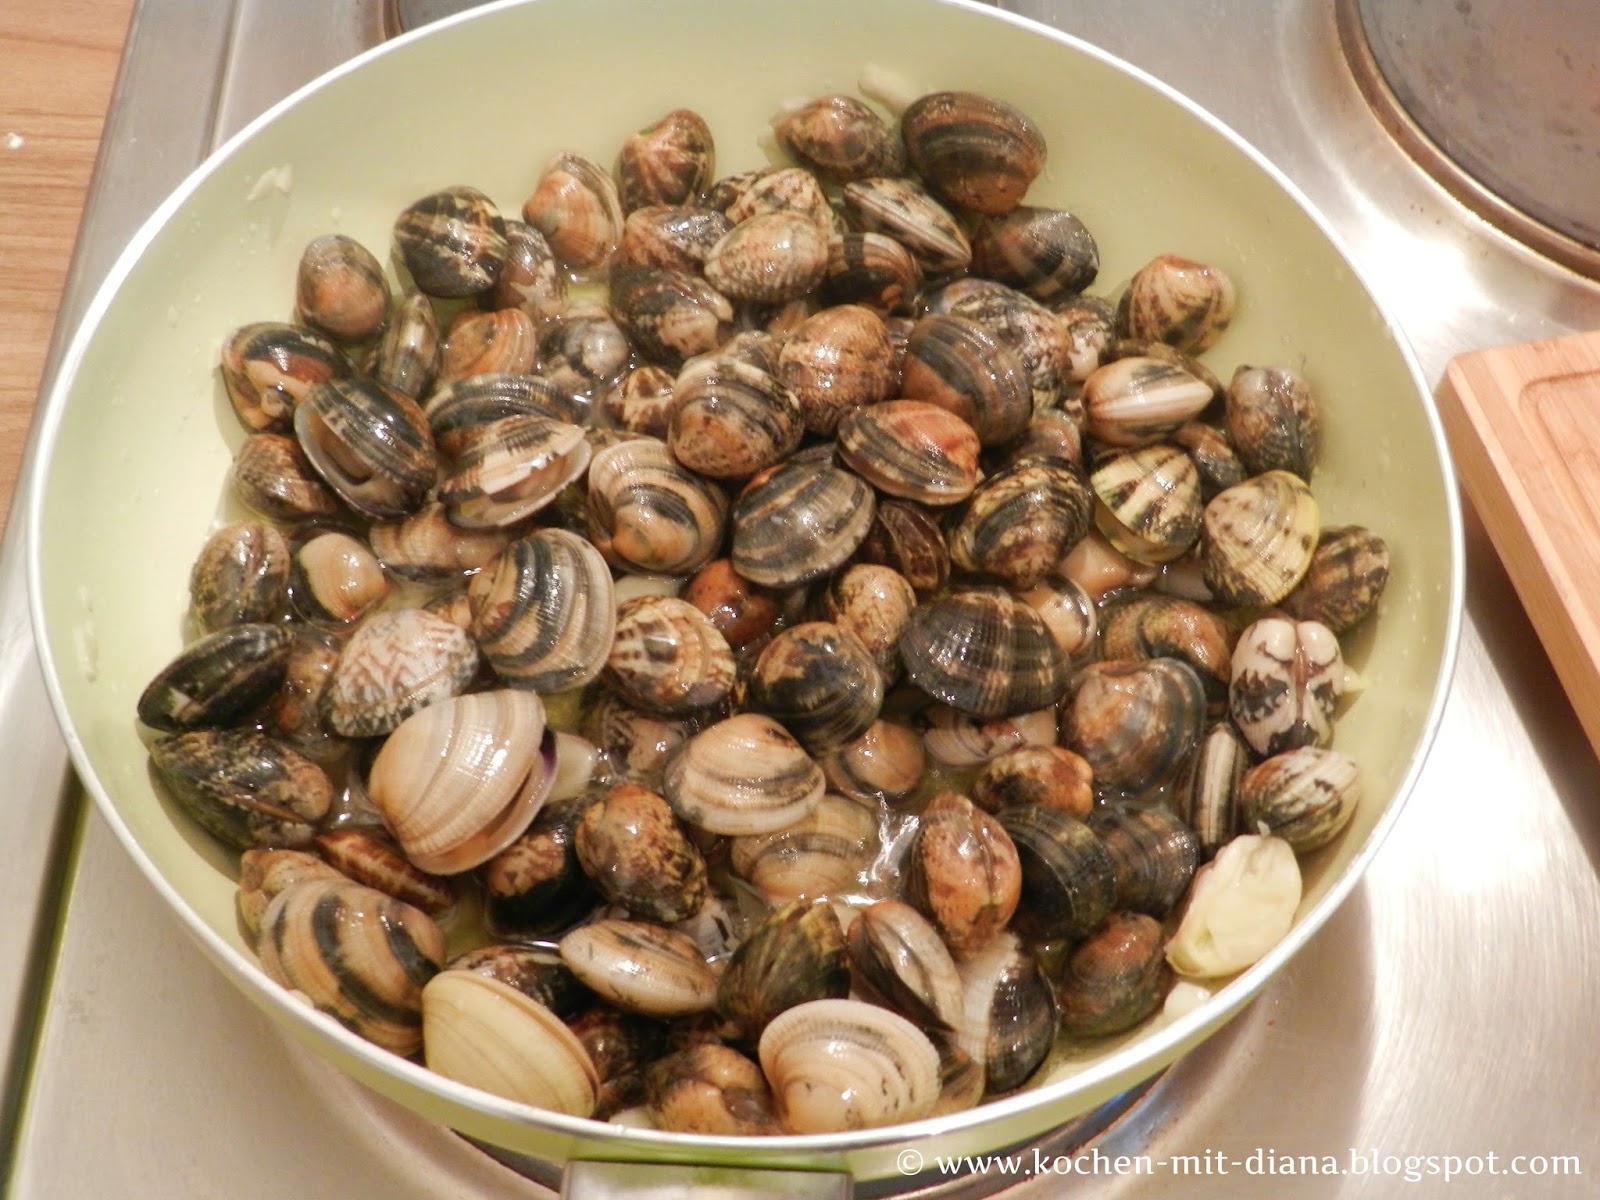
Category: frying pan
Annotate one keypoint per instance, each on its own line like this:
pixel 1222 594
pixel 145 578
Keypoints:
pixel 137 434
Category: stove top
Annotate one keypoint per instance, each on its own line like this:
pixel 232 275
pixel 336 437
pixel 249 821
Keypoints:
pixel 1440 1020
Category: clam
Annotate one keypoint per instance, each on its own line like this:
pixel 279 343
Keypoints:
pixel 1021 520
pixel 1178 301
pixel 510 469
pixel 819 682
pixel 740 611
pixel 898 960
pixel 903 210
pixel 1153 853
pixel 669 161
pixel 458 781
pixel 452 241
pixel 621 1046
pixel 531 281
pixel 1068 612
pixel 1068 875
pixel 964 873
pixel 268 367
pixel 335 579
pixel 791 190
pixel 795 954
pixel 356 954
pixel 406 357
pixel 964 368
pixel 1213 454
pixel 887 763
pixel 486 1034
pixel 1258 538
pixel 1273 421
pixel 459 412
pixel 1101 570
pixel 1009 1016
pixel 583 351
pixel 244 788
pixel 912 450
pixel 841 139
pixel 218 679
pixel 667 657
pixel 769 258
pixel 1153 626
pixel 641 968
pixel 428 547
pixel 731 420
pixel 648 513
pixel 874 603
pixel 1286 682
pixel 340 289
pixel 575 205
pixel 872 270
pixel 642 402
pixel 710 1088
pixel 1039 338
pixel 798 523
pixel 984 653
pixel 1047 775
pixel 544 612
pixel 1046 252
pixel 822 854
pixel 294 714
pixel 272 476
pixel 1135 722
pixel 1089 324
pixel 908 538
pixel 535 971
pixel 635 744
pixel 397 661
pixel 630 845
pixel 838 1065
pixel 371 446
pixel 1345 580
pixel 743 775
pixel 1115 978
pixel 536 886
pixel 837 361
pixel 1148 501
pixel 368 855
pixel 503 341
pixel 1305 796
pixel 957 740
pixel 668 314
pixel 264 873
pixel 972 150
pixel 1207 797
pixel 1138 400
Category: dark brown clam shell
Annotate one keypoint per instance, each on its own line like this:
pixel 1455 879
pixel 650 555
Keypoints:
pixel 428 547
pixel 712 1089
pixel 1135 722
pixel 907 537
pixel 984 653
pixel 268 367
pixel 240 575
pixel 452 241
pixel 972 150
pixel 1021 322
pixel 1349 570
pixel 1175 300
pixel 294 713
pixel 959 365
pixel 535 971
pixel 621 1045
pixel 670 161
pixel 642 402
pixel 870 269
pixel 741 611
pixel 793 955
pixel 1154 854
pixel 670 315
pixel 1153 626
pixel 1049 775
pixel 903 210
pixel 584 351
pixel 1010 1020
pixel 340 288
pixel 631 846
pixel 841 139
pixel 1046 252
pixel 536 887
pixel 820 683
pixel 1115 978
pixel 912 450
pixel 897 959
pixel 1068 875
pixel 1273 420
pixel 218 679
pixel 458 411
pixel 1021 520
pixel 371 446
pixel 244 788
pixel 798 523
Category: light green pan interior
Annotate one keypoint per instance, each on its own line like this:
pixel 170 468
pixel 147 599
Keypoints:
pixel 139 439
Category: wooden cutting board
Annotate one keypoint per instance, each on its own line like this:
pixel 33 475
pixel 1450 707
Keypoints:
pixel 1524 427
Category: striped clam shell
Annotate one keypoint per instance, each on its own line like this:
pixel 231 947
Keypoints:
pixel 730 419
pixel 911 449
pixel 576 206
pixel 452 241
pixel 841 139
pixel 459 781
pixel 1115 978
pixel 769 258
pixel 1348 573
pixel 243 788
pixel 743 775
pixel 908 538
pixel 1021 520
pixel 648 513
pixel 837 361
pixel 340 288
pixel 1068 875
pixel 642 402
pixel 1148 501
pixel 669 161
pixel 962 367
pixel 669 314
pixel 963 873
pixel 1213 454
pixel 1207 797
pixel 1009 1016
pixel 1273 421
pixel 264 873
pixel 1043 342
pixel 370 856
pixel 218 679
pixel 820 683
pixel 544 612
pixel 793 955
pixel 1176 300
pixel 798 523
pixel 512 469
pixel 898 959
pixel 272 476
pixel 481 343
pixel 358 955
pixel 268 367
pixel 1135 723
pixel 870 269
pixel 823 853
pixel 584 351
pixel 456 411
pixel 984 653
pixel 370 445
pixel 781 190
pixel 428 546
pixel 974 151
pixel 1304 796
pixel 1139 399
pixel 406 358
pixel 667 657
pixel 1155 626
pixel 903 210
pixel 1046 252
pixel 1154 854
pixel 1258 538
pixel 532 280
pixel 396 662
pixel 672 237
pixel 886 763
pixel 641 968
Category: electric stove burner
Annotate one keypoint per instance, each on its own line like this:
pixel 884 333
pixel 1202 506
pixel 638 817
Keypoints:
pixel 1498 105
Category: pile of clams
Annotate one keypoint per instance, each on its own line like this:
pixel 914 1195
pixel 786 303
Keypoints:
pixel 765 653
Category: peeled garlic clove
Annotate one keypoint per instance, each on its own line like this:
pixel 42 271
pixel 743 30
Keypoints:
pixel 1241 905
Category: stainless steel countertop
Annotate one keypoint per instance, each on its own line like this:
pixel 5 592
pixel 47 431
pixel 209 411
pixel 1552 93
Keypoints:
pixel 1446 1010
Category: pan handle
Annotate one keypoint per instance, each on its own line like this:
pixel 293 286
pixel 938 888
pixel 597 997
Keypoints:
pixel 589 1180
